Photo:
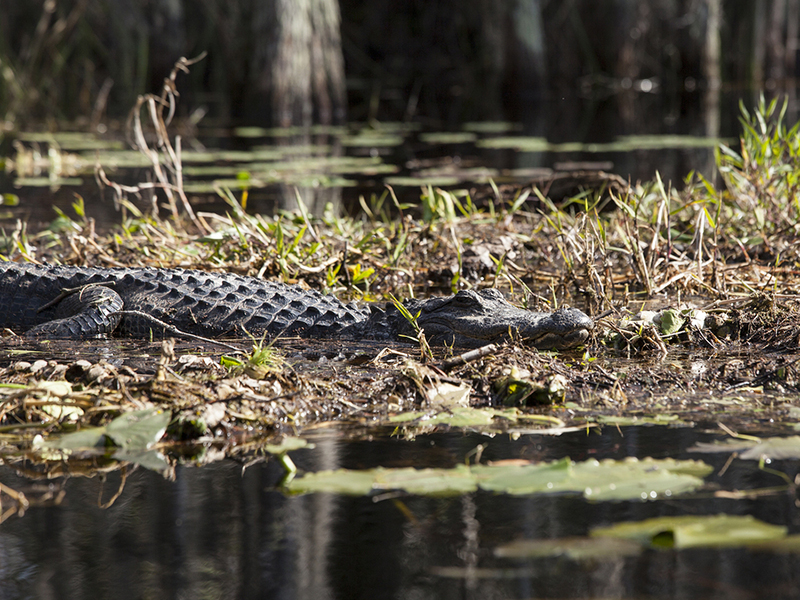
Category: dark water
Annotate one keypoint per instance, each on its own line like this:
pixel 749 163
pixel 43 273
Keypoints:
pixel 562 120
pixel 219 531
pixel 222 531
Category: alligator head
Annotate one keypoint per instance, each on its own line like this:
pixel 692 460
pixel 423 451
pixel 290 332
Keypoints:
pixel 475 318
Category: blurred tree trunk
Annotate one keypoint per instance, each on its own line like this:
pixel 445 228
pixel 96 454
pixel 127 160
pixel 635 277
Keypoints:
pixel 711 67
pixel 297 65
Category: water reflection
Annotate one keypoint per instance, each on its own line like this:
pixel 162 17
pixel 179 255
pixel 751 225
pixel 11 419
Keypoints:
pixel 225 531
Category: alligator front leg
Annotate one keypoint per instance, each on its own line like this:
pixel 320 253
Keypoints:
pixel 89 311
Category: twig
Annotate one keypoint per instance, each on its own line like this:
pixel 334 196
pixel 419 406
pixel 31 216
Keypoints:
pixel 470 356
pixel 174 330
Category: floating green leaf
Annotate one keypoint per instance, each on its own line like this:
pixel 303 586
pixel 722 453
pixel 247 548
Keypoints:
pixel 138 430
pixel 458 416
pixel 608 480
pixel 576 548
pixel 437 181
pixel 133 431
pixel 127 438
pixel 646 479
pixel 448 137
pixel 775 448
pixel 341 481
pixel 491 126
pixel 521 143
pixel 287 444
pixel 688 531
pixel 426 482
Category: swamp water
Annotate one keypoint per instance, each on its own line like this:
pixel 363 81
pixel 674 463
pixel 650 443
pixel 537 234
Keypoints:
pixel 225 531
pixel 230 528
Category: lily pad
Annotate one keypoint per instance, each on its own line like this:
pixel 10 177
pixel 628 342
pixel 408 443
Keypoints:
pixel 427 482
pixel 448 137
pixel 287 444
pixel 520 143
pixel 127 438
pixel 137 430
pixel 458 416
pixel 690 531
pixel 624 421
pixel 340 481
pixel 575 548
pixel 626 480
pixel 372 140
pixel 436 181
pixel 775 448
pixel 491 126
pixel 630 479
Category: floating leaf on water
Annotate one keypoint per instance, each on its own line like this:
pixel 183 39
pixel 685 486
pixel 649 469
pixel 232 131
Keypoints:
pixel 448 137
pixel 726 445
pixel 777 448
pixel 458 416
pixel 46 181
pixel 85 439
pixel 658 142
pixel 341 481
pixel 463 416
pixel 646 479
pixel 250 132
pixel 72 140
pixel 426 482
pixel 623 421
pixel 525 479
pixel 491 126
pixel 520 143
pixel 600 481
pixel 133 431
pixel 575 548
pixel 405 417
pixel 372 140
pixel 774 448
pixel 139 429
pixel 691 531
pixel 443 181
pixel 287 444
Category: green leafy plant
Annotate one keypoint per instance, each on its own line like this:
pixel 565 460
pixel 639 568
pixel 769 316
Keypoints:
pixel 763 178
pixel 419 334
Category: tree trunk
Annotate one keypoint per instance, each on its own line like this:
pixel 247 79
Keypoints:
pixel 298 68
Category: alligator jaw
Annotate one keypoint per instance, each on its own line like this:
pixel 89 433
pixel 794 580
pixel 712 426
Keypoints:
pixel 473 319
pixel 565 328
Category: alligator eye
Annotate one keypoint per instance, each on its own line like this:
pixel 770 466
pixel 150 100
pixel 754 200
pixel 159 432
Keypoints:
pixel 465 298
pixel 492 293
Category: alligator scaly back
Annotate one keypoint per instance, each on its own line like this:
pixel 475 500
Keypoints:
pixel 200 303
pixel 75 302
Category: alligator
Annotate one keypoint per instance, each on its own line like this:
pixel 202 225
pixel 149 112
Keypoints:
pixel 83 302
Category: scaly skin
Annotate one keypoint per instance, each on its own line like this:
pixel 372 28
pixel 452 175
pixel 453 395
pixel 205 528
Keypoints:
pixel 80 302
